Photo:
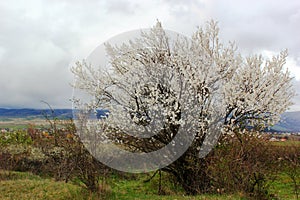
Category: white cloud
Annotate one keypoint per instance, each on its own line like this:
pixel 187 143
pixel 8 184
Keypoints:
pixel 291 64
pixel 2 52
pixel 39 39
pixel 122 7
pixel 296 100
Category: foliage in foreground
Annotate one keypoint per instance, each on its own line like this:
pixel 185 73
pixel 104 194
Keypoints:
pixel 56 152
pixel 250 167
pixel 17 185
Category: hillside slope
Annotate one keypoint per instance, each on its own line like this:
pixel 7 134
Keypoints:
pixel 34 113
pixel 290 121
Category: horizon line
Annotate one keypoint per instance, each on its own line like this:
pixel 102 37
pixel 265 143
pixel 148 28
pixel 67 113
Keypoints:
pixel 59 108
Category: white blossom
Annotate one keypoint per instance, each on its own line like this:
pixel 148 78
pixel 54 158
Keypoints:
pixel 150 79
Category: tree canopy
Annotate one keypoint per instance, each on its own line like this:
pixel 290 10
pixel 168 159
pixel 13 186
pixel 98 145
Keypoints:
pixel 177 92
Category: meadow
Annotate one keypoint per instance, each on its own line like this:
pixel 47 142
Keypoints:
pixel 40 163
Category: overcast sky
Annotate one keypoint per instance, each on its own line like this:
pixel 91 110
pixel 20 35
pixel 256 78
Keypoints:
pixel 39 40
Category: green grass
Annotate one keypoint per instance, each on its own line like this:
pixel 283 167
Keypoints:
pixel 288 143
pixel 17 185
pixel 137 189
pixel 23 185
pixel 12 175
pixel 21 123
pixel 283 187
pixel 14 126
pixel 36 189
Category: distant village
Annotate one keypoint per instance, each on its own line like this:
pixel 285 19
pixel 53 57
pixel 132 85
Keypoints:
pixel 283 136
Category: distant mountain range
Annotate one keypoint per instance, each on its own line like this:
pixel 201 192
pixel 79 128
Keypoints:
pixel 35 113
pixel 290 121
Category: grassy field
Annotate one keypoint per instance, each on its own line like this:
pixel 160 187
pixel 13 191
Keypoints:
pixel 137 189
pixel 17 185
pixel 21 185
pixel 283 187
pixel 24 185
pixel 21 123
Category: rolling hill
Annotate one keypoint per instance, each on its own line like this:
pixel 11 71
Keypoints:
pixel 290 121
pixel 34 113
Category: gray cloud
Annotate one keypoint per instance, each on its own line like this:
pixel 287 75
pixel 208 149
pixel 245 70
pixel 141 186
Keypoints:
pixel 39 40
pixel 296 99
pixel 260 24
pixel 124 7
pixel 35 58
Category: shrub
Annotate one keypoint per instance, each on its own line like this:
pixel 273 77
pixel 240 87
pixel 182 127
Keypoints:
pixel 289 157
pixel 246 165
pixel 15 137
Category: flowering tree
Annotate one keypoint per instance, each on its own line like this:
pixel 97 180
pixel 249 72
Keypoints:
pixel 182 92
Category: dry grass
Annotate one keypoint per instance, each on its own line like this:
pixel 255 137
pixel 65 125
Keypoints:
pixel 20 123
pixel 16 185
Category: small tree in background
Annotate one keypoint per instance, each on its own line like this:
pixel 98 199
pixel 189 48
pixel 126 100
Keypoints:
pixel 198 83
